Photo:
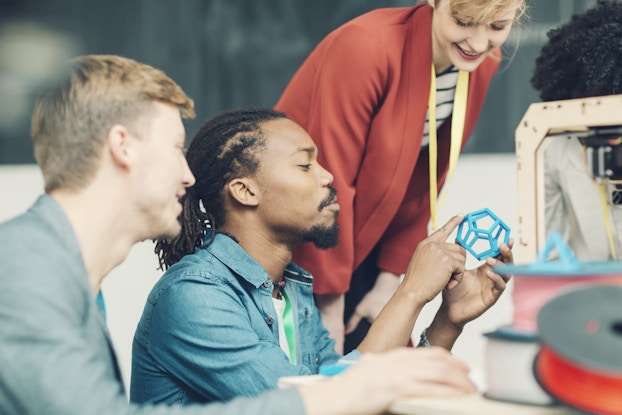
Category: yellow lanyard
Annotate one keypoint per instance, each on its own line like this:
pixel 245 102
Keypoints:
pixel 603 199
pixel 457 129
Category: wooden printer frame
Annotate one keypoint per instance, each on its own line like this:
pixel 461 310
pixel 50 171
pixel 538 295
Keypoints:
pixel 541 123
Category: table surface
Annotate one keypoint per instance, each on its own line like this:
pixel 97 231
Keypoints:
pixel 473 404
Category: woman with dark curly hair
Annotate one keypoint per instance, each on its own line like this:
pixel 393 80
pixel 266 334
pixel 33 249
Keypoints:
pixel 583 58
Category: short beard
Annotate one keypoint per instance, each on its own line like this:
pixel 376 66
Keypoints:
pixel 323 237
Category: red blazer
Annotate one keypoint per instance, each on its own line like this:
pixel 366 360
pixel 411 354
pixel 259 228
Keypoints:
pixel 362 96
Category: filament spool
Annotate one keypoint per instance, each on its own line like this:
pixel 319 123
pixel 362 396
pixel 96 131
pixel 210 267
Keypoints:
pixel 580 360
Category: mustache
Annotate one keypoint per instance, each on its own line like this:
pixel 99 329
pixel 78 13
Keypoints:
pixel 332 193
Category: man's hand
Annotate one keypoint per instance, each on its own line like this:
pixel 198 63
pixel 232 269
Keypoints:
pixel 434 262
pixel 430 269
pixel 374 300
pixel 477 291
pixel 373 383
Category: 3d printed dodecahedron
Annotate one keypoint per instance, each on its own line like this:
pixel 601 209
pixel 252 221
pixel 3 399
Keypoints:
pixel 481 232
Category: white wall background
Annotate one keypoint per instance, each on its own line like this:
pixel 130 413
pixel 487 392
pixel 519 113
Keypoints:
pixel 479 181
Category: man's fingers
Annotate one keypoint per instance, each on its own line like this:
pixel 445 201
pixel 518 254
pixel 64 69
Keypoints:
pixel 491 262
pixel 442 233
pixel 452 283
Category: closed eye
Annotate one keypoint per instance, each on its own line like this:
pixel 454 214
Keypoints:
pixel 498 27
pixel 463 23
pixel 305 166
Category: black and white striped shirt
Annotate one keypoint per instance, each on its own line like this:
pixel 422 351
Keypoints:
pixel 445 91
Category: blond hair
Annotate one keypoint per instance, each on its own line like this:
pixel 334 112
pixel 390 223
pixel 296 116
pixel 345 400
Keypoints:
pixel 71 120
pixel 485 10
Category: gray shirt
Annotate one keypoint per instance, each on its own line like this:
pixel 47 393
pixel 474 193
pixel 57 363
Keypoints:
pixel 55 353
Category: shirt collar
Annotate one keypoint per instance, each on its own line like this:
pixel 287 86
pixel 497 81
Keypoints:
pixel 231 254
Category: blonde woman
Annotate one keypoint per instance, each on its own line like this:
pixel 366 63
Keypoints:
pixel 365 95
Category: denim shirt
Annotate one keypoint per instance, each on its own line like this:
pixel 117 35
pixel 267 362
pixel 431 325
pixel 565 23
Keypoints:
pixel 209 330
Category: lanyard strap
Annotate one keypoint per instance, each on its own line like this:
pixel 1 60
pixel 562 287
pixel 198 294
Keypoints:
pixel 458 118
pixel 603 199
pixel 289 328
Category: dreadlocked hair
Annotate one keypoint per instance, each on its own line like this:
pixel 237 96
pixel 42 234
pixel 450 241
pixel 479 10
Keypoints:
pixel 223 149
pixel 582 57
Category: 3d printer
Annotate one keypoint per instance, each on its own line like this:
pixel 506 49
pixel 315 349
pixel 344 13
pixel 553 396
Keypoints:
pixel 596 122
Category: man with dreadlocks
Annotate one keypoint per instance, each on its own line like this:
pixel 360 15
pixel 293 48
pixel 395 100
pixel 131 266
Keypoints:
pixel 233 313
pixel 581 59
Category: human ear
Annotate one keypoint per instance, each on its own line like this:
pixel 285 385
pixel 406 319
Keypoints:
pixel 243 191
pixel 119 145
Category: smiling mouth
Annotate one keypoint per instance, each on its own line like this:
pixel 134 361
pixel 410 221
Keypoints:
pixel 467 55
pixel 180 201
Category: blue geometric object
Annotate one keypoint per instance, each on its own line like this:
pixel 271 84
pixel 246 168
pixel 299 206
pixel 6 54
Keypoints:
pixel 481 232
pixel 566 265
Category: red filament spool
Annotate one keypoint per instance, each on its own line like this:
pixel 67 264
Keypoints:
pixel 580 360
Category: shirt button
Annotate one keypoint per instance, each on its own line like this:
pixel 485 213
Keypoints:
pixel 266 283
pixel 317 360
pixel 269 320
